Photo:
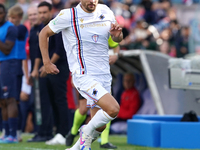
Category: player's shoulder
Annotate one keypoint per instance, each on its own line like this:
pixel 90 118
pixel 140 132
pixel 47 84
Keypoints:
pixel 22 27
pixel 103 7
pixel 64 12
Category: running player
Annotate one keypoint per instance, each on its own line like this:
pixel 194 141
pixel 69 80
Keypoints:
pixel 86 29
pixel 81 113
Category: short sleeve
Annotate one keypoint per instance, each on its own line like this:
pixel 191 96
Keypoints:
pixel 12 33
pixel 61 21
pixel 113 19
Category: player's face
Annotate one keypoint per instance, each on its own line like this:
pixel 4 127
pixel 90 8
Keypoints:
pixel 128 82
pixel 2 16
pixel 15 19
pixel 89 5
pixel 44 14
pixel 33 15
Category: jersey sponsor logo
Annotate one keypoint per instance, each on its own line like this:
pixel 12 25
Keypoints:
pixel 94 92
pixel 101 17
pixel 93 25
pixel 82 26
pixel 95 38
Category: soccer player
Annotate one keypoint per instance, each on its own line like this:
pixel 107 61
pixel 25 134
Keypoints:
pixel 15 15
pixel 10 77
pixel 86 29
pixel 81 113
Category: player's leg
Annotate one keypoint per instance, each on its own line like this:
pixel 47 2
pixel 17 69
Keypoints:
pixel 91 88
pixel 4 114
pixel 94 135
pixel 104 138
pixel 109 111
pixel 12 117
pixel 79 118
pixel 11 79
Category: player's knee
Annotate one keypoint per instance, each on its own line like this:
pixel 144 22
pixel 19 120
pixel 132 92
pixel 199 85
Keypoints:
pixel 2 103
pixel 114 110
pixel 83 110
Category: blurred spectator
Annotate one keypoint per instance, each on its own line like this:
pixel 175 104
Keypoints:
pixel 27 94
pixel 71 3
pixel 24 5
pixel 55 84
pixel 57 6
pixel 149 14
pixel 179 38
pixel 45 125
pixel 185 33
pixel 129 104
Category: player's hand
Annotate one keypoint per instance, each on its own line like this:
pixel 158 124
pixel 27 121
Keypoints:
pixel 42 72
pixel 115 30
pixel 35 74
pixel 50 68
pixel 113 59
pixel 30 80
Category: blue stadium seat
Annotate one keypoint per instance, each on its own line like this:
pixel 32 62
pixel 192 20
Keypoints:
pixel 143 132
pixel 163 131
pixel 180 135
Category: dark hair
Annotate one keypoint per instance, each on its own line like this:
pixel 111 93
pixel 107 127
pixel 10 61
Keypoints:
pixel 44 3
pixel 101 2
pixel 174 21
pixel 3 7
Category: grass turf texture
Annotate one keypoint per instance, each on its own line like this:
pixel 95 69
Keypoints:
pixel 119 141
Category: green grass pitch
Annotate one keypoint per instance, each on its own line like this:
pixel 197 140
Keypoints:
pixel 120 141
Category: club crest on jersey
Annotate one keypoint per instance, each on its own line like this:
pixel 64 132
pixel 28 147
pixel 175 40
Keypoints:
pixel 95 38
pixel 101 17
pixel 94 92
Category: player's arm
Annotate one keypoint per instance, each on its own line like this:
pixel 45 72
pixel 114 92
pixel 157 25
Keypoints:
pixel 6 47
pixel 115 47
pixel 116 32
pixel 35 73
pixel 11 37
pixel 44 35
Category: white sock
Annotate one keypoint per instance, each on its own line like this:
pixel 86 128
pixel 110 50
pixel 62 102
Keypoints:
pixel 95 135
pixel 3 133
pixel 19 132
pixel 76 146
pixel 100 118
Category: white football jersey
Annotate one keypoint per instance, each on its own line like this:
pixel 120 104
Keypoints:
pixel 85 38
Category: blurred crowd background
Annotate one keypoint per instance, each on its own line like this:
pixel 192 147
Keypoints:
pixel 171 27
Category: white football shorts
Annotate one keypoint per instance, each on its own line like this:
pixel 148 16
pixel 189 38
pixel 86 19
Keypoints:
pixel 25 87
pixel 92 87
